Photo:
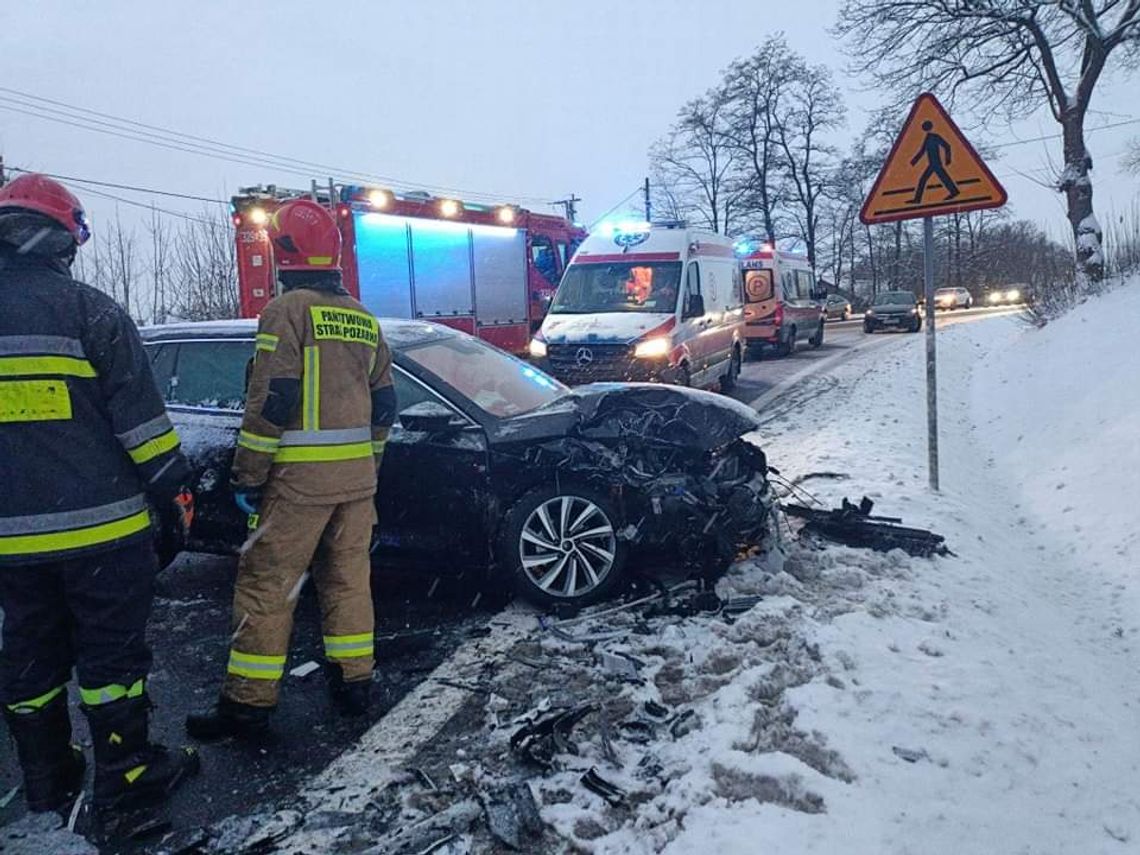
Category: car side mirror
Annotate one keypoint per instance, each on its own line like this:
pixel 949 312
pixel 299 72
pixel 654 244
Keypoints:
pixel 695 307
pixel 429 417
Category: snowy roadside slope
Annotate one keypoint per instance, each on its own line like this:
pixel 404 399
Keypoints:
pixel 986 703
pixel 1062 422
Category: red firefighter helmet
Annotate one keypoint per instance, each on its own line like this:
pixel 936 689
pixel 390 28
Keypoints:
pixel 34 192
pixel 304 237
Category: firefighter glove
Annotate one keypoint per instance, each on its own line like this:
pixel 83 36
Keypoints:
pixel 184 513
pixel 247 499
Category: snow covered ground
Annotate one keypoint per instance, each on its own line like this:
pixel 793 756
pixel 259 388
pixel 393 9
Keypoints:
pixel 988 702
pixel 982 703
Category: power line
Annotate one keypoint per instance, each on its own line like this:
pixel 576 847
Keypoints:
pixel 636 190
pixel 1058 136
pixel 81 117
pixel 149 190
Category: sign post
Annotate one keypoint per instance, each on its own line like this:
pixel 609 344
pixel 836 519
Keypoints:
pixel 931 352
pixel 931 170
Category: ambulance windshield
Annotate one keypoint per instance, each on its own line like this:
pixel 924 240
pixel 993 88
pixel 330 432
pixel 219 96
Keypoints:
pixel 625 287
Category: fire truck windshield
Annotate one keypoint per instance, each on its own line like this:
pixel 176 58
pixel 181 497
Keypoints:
pixel 628 287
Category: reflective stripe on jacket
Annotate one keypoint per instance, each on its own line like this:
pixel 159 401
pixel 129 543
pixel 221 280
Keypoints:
pixel 320 399
pixel 84 433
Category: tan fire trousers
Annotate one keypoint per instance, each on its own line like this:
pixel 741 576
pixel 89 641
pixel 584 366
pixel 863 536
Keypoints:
pixel 288 537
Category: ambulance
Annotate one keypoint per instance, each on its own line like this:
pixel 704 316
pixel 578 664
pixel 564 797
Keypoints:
pixel 640 302
pixel 783 304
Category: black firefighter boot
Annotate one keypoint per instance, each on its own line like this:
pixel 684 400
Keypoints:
pixel 230 718
pixel 53 767
pixel 133 776
pixel 350 699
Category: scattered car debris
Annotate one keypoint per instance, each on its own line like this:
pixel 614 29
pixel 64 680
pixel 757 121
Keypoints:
pixel 304 669
pixel 512 815
pixel 910 755
pixel 598 785
pixel 684 724
pixel 540 740
pixel 616 665
pixel 853 525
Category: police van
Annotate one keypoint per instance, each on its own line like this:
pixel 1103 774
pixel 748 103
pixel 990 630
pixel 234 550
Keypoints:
pixel 782 301
pixel 643 302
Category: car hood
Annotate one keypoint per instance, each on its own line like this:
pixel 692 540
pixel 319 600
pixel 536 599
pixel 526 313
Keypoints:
pixel 611 412
pixel 602 327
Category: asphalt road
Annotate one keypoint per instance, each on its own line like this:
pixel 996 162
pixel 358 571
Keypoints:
pixel 421 622
pixel 762 380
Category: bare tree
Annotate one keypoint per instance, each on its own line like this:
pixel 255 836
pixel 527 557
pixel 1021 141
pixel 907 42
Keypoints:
pixel 161 262
pixel 812 109
pixel 756 88
pixel 698 161
pixel 205 270
pixel 1132 156
pixel 1009 56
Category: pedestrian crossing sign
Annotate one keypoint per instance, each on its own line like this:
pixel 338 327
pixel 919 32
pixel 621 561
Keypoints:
pixel 931 170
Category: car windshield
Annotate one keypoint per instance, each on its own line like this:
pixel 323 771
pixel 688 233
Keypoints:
pixel 895 298
pixel 626 287
pixel 495 381
pixel 946 292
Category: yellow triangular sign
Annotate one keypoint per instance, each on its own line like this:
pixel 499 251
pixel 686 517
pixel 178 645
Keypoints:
pixel 932 169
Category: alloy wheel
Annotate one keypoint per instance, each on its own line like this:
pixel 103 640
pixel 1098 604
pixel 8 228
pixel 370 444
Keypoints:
pixel 567 546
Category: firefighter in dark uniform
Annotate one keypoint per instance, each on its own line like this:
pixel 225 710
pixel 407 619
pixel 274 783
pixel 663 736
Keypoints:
pixel 85 442
pixel 317 415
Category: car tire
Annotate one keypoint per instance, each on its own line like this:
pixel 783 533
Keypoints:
pixel 754 352
pixel 816 341
pixel 846 315
pixel 868 328
pixel 684 376
pixel 788 346
pixel 728 381
pixel 528 553
pixel 916 326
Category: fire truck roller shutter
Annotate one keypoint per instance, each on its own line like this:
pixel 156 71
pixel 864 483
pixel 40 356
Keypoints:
pixel 382 259
pixel 500 275
pixel 441 269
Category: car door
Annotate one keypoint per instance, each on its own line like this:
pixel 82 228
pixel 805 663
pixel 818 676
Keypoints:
pixel 432 497
pixel 203 383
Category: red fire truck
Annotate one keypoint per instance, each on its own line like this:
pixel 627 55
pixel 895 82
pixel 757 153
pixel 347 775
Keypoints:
pixel 489 270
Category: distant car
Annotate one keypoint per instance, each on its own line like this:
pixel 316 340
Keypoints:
pixel 896 310
pixel 1003 297
pixel 837 308
pixel 952 298
pixel 494 466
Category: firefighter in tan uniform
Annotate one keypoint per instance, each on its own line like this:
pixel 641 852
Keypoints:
pixel 317 415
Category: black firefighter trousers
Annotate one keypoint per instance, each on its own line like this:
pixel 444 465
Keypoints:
pixel 88 613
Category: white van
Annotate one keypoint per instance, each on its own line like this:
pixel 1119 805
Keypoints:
pixel 640 302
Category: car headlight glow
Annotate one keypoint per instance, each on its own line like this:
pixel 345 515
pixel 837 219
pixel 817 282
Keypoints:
pixel 870 313
pixel 652 348
pixel 1012 295
pixel 537 348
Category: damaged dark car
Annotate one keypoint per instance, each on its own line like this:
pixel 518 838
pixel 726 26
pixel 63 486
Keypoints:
pixel 494 467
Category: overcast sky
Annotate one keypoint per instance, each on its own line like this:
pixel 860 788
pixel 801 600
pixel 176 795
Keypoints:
pixel 526 101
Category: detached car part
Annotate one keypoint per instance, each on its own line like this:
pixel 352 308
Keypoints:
pixel 853 525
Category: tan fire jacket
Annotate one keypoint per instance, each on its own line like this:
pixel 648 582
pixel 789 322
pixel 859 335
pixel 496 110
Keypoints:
pixel 320 400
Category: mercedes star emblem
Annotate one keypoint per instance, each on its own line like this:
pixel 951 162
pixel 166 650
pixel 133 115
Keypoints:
pixel 584 356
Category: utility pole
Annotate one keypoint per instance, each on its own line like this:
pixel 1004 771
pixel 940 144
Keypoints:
pixel 648 204
pixel 569 205
pixel 3 179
